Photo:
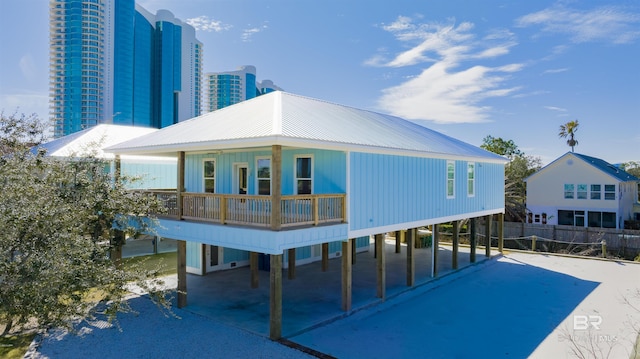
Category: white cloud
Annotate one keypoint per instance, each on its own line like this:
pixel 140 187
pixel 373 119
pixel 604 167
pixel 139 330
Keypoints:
pixel 204 23
pixel 247 34
pixel 554 108
pixel 555 71
pixel 606 23
pixel 445 91
pixel 28 67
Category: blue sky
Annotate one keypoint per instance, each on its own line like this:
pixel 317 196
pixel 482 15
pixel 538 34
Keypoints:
pixel 510 69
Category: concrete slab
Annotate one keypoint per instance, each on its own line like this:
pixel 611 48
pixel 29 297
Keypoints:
pixel 314 297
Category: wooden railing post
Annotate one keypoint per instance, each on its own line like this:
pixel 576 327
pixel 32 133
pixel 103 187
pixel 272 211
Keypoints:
pixel 223 209
pixel 180 184
pixel 276 187
pixel 314 201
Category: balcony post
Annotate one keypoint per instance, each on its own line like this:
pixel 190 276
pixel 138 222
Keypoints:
pixel 180 184
pixel 314 201
pixel 276 187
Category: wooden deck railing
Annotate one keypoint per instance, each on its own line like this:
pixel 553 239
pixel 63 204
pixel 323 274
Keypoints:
pixel 296 210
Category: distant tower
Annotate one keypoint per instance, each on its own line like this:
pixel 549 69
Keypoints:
pixel 111 61
pixel 223 89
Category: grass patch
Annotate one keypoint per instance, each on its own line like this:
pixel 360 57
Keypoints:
pixel 15 346
pixel 165 263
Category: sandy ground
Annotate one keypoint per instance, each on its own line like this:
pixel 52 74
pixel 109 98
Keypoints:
pixel 517 306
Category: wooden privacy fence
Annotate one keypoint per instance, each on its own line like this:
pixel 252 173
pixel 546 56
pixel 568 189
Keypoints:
pixel 615 239
pixel 298 210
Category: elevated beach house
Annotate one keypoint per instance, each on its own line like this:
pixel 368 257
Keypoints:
pixel 286 178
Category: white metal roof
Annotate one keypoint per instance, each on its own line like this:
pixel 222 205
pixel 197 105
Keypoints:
pixel 91 141
pixel 281 118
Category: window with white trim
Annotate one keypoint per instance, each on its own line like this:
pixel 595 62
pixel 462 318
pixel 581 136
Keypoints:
pixel 471 179
pixel 304 175
pixel 596 191
pixel 263 176
pixel 569 191
pixel 582 191
pixel 451 179
pixel 610 192
pixel 209 175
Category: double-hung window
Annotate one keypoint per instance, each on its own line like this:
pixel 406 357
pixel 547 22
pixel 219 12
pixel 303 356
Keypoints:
pixel 582 191
pixel 209 180
pixel 471 179
pixel 304 175
pixel 595 191
pixel 451 179
pixel 264 176
pixel 569 191
pixel 610 192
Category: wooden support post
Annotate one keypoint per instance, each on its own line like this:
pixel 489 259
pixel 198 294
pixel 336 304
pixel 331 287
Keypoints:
pixel 182 274
pixel 347 253
pixel 275 297
pixel 500 232
pixel 276 187
pixel 353 251
pixel 398 238
pixel 456 240
pixel 380 267
pixel 325 257
pixel 533 243
pixel 291 269
pixel 434 254
pixel 180 184
pixel 203 258
pixel 487 235
pixel 473 240
pixel 253 267
pixel 411 262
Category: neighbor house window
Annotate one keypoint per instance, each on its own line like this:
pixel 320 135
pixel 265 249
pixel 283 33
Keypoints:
pixel 610 191
pixel 451 179
pixel 571 218
pixel 638 192
pixel 602 219
pixel 595 191
pixel 264 176
pixel 304 167
pixel 582 191
pixel 568 191
pixel 471 179
pixel 209 170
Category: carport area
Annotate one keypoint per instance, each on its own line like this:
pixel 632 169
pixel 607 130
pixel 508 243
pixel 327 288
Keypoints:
pixel 314 297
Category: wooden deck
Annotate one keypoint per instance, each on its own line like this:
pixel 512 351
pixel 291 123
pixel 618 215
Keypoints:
pixel 298 210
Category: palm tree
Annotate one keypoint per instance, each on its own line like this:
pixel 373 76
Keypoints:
pixel 569 129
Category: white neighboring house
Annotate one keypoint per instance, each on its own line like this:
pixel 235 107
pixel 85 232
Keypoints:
pixel 583 191
pixel 157 172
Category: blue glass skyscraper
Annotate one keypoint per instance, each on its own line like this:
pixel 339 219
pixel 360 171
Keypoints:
pixel 114 62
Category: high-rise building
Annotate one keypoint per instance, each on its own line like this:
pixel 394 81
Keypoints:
pixel 112 61
pixel 222 89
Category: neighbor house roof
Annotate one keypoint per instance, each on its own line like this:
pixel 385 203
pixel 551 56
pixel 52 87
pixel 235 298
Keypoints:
pixel 281 118
pixel 601 165
pixel 608 168
pixel 92 140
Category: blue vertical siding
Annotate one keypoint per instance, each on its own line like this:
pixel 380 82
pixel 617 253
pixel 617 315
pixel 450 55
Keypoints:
pixel 153 174
pixel 387 189
pixel 234 255
pixel 194 257
pixel 329 170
